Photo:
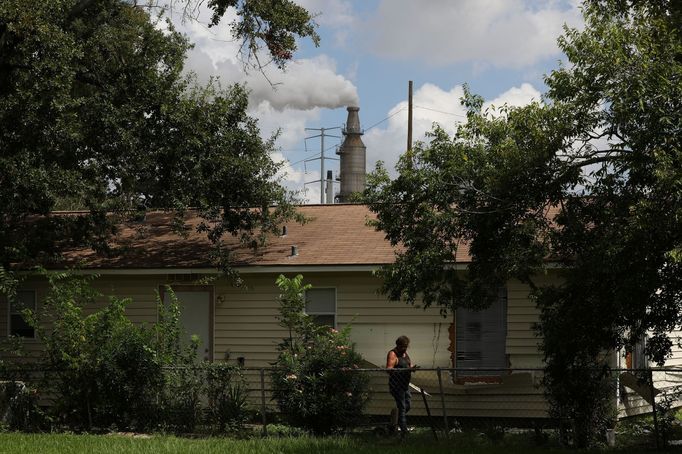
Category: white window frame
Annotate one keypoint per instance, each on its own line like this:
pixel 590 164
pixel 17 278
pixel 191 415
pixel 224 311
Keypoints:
pixel 336 305
pixel 10 313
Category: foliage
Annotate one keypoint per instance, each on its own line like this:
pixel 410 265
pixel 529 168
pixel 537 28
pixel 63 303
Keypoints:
pixel 313 379
pixel 227 394
pixel 96 114
pixel 105 369
pixel 273 24
pixel 182 379
pixel 19 408
pixel 106 372
pixel 591 178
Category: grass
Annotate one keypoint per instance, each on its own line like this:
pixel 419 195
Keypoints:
pixel 419 443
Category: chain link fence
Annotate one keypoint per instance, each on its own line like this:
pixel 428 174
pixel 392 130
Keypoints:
pixel 440 401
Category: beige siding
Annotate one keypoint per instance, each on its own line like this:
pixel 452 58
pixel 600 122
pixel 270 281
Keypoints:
pixel 245 325
pixel 375 322
pixel 522 314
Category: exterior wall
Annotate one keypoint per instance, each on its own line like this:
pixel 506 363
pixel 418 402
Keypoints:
pixel 245 326
pixel 141 289
pixel 522 344
pixel 668 383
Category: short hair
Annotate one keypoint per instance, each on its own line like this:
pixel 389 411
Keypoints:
pixel 403 341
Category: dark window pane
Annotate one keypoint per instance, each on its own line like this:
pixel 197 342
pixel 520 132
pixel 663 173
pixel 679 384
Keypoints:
pixel 25 299
pixel 320 300
pixel 323 320
pixel 19 327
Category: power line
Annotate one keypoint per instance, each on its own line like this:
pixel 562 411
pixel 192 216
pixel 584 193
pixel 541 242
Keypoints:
pixel 441 111
pixel 390 116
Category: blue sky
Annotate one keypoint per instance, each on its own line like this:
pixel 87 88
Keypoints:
pixel 368 52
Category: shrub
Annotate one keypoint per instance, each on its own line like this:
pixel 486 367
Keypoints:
pixel 109 372
pixel 227 396
pixel 180 402
pixel 313 380
pixel 19 408
pixel 106 371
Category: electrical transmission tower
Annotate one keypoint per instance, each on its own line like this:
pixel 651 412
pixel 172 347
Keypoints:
pixel 323 133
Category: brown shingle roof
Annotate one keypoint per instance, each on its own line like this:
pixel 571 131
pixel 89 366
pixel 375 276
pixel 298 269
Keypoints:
pixel 336 235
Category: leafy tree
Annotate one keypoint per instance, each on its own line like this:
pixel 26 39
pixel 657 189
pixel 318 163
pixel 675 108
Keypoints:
pixel 603 152
pixel 272 25
pixel 95 113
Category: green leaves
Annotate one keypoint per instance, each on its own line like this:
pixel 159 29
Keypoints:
pixel 96 115
pixel 313 380
pixel 590 179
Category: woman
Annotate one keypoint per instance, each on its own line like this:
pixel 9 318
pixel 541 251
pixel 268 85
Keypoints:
pixel 399 379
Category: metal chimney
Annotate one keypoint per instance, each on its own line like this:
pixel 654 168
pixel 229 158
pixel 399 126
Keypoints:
pixel 329 188
pixel 352 156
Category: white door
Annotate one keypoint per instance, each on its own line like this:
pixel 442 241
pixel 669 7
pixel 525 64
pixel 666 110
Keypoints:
pixel 195 317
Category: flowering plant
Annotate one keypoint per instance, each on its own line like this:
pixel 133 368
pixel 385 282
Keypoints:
pixel 314 379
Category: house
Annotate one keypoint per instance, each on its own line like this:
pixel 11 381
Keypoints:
pixel 336 252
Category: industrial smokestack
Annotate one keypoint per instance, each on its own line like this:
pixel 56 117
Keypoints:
pixel 329 188
pixel 353 157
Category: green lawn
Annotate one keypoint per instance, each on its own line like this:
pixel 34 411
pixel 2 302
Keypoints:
pixel 92 444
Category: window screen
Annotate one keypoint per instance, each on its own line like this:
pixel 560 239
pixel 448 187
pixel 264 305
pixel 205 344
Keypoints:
pixel 321 306
pixel 25 299
pixel 481 338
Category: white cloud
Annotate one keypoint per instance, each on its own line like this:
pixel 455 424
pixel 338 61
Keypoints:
pixel 432 105
pixel 335 15
pixel 306 84
pixel 298 95
pixel 502 33
pixel 515 97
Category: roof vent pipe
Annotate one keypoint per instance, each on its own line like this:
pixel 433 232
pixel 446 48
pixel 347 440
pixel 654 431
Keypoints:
pixel 294 251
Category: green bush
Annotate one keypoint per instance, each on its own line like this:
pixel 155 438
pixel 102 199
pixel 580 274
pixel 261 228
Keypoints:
pixel 227 397
pixel 19 408
pixel 106 372
pixel 314 381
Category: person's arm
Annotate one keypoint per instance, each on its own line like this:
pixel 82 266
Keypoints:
pixel 391 360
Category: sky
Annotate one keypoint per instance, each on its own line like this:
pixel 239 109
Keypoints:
pixel 369 50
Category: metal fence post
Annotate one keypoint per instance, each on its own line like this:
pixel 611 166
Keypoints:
pixel 262 402
pixel 442 401
pixel 653 407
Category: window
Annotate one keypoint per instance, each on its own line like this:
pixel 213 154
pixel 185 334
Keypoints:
pixel 26 299
pixel 320 304
pixel 481 338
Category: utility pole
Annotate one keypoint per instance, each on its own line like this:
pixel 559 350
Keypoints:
pixel 409 116
pixel 321 135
